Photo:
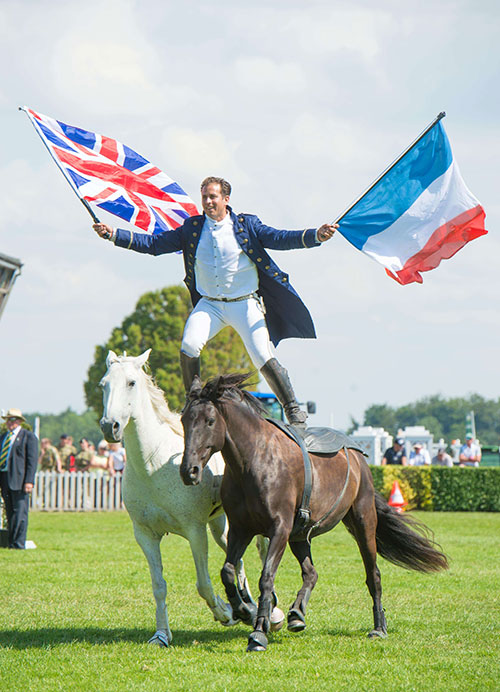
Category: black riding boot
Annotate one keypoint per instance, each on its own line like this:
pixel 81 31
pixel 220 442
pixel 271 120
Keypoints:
pixel 189 367
pixel 277 378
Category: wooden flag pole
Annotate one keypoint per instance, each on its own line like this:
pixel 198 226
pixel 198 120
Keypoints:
pixel 391 166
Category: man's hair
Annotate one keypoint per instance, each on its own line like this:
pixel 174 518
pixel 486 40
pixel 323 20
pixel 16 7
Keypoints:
pixel 225 187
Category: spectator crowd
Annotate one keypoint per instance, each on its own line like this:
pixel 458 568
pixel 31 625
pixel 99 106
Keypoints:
pixel 470 454
pixel 107 459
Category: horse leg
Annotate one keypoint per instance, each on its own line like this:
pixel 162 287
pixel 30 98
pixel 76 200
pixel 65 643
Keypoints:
pixel 257 641
pixel 361 521
pixel 218 528
pixel 236 546
pixel 199 548
pixel 297 612
pixel 277 615
pixel 150 545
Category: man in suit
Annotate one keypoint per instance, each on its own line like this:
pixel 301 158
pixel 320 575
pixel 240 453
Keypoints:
pixel 233 281
pixel 18 464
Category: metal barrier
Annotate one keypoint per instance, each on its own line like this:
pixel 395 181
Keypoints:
pixel 76 492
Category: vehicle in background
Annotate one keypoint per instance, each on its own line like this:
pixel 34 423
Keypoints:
pixel 274 408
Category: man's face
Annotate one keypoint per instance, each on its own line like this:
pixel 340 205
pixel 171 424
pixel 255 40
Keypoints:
pixel 12 423
pixel 214 203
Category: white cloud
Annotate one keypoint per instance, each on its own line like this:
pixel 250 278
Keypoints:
pixel 200 152
pixel 334 30
pixel 259 74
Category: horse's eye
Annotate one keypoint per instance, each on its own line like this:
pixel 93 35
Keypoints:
pixel 131 383
pixel 210 422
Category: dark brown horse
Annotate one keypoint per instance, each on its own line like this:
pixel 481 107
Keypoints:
pixel 262 491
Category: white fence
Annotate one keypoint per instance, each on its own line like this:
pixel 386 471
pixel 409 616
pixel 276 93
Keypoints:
pixel 76 492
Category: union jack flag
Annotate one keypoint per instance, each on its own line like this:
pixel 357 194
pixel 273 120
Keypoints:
pixel 114 177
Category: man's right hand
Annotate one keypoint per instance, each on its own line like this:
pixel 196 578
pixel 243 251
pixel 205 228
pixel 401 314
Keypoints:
pixel 103 230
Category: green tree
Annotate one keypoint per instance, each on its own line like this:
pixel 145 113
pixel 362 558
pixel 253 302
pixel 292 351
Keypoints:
pixel 442 417
pixel 158 323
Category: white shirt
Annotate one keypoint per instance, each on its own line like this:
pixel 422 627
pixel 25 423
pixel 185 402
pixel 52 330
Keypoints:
pixel 421 458
pixel 222 270
pixel 469 452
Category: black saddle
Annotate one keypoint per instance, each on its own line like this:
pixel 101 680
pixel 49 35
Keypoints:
pixel 320 440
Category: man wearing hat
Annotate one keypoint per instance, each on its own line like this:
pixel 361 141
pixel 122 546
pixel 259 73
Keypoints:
pixel 470 452
pixel 419 456
pixel 18 464
pixel 396 453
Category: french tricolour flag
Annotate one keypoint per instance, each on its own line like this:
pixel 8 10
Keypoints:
pixel 418 212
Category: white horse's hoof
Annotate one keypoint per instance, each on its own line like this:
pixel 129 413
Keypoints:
pixel 223 613
pixel 159 638
pixel 277 619
pixel 231 622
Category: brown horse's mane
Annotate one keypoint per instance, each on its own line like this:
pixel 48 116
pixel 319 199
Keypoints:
pixel 231 387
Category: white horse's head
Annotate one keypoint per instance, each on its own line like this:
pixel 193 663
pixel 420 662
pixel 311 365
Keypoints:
pixel 121 387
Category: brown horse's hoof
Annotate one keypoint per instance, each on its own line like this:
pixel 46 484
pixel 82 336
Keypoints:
pixel 257 641
pixel 377 634
pixel 296 621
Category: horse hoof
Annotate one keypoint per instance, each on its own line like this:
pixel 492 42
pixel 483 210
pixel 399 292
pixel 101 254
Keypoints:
pixel 277 619
pixel 257 641
pixel 296 625
pixel 377 634
pixel 296 621
pixel 159 638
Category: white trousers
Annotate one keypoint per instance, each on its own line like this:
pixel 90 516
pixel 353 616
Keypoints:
pixel 245 316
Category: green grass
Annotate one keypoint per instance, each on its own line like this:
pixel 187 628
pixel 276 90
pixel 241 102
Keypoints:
pixel 75 615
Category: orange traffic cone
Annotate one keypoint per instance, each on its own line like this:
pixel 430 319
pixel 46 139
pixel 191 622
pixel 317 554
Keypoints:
pixel 396 500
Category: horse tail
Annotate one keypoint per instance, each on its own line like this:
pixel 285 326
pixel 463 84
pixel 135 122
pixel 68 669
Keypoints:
pixel 405 541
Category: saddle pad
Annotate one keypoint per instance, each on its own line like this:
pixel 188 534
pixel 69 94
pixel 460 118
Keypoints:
pixel 329 441
pixel 320 440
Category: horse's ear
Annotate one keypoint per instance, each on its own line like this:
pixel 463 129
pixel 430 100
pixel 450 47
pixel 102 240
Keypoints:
pixel 195 389
pixel 143 358
pixel 111 358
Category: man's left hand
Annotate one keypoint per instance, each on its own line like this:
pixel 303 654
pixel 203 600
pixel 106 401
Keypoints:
pixel 326 231
pixel 28 487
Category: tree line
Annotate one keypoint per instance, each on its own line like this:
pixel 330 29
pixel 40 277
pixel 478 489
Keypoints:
pixel 442 417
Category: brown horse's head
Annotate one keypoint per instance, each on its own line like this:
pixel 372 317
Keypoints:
pixel 204 433
pixel 203 422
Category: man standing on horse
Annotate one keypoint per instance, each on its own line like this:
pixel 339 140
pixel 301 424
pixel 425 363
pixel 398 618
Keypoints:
pixel 233 281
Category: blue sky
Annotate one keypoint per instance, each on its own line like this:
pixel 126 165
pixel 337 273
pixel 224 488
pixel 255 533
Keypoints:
pixel 300 105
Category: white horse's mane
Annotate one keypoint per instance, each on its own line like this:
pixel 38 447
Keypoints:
pixel 160 406
pixel 158 401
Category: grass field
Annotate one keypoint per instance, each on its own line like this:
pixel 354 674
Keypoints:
pixel 75 615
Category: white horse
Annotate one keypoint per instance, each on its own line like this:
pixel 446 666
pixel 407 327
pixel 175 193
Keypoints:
pixel 156 499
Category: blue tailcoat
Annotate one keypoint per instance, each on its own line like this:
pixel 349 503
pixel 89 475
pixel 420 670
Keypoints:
pixel 286 314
